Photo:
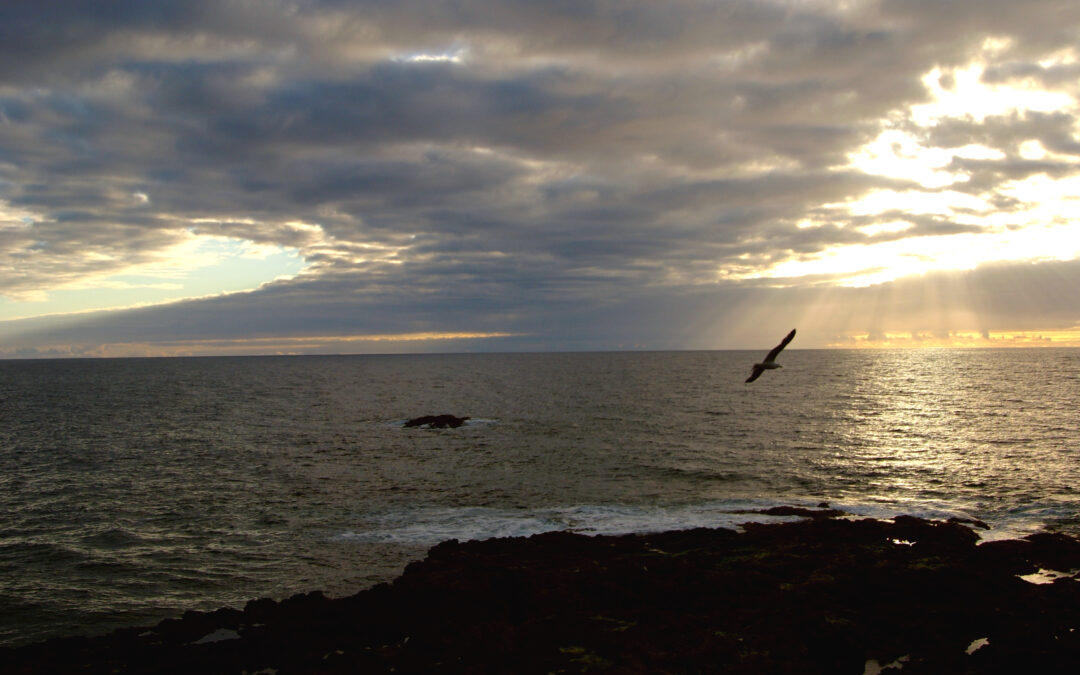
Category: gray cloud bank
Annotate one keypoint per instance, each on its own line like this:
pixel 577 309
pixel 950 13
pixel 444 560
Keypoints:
pixel 577 174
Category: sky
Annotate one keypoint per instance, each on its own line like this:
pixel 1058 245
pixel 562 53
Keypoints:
pixel 322 176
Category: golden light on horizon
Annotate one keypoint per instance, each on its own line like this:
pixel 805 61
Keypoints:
pixel 960 339
pixel 271 346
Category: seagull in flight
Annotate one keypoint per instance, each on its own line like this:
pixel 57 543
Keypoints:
pixel 770 359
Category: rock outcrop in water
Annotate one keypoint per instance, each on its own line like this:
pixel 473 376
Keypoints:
pixel 437 421
pixel 815 596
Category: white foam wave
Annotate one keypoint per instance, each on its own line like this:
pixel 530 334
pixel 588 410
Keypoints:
pixel 1013 523
pixel 430 525
pixel 434 524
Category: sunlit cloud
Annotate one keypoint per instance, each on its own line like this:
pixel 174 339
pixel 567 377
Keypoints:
pixel 1046 199
pixel 15 218
pixel 1038 225
pixel 456 54
pixel 890 227
pixel 967 96
pixel 868 264
pixel 899 154
pixel 912 202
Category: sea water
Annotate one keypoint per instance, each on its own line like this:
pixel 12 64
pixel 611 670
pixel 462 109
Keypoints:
pixel 132 490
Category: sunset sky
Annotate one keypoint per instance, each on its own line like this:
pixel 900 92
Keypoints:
pixel 259 177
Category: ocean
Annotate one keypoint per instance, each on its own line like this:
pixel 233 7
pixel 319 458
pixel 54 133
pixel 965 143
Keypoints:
pixel 132 490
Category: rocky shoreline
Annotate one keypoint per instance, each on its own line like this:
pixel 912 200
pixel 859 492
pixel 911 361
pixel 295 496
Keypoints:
pixel 821 595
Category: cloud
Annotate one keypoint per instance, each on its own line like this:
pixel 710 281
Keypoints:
pixel 549 170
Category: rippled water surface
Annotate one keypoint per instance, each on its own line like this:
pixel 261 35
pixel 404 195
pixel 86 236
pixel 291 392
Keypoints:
pixel 132 490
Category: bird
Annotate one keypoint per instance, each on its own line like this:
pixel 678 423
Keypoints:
pixel 770 359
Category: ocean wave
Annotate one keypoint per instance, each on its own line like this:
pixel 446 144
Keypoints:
pixel 431 525
pixel 434 524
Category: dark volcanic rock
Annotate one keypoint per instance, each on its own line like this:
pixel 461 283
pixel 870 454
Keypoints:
pixel 815 596
pixel 436 421
pixel 823 512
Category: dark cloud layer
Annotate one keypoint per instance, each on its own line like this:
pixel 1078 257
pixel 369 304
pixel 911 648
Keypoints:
pixel 587 174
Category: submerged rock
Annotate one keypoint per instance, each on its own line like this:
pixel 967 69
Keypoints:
pixel 815 596
pixel 823 511
pixel 436 421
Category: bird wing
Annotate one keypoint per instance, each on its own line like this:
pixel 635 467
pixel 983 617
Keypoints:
pixel 758 370
pixel 778 348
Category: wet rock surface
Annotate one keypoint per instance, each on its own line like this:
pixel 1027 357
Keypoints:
pixel 815 596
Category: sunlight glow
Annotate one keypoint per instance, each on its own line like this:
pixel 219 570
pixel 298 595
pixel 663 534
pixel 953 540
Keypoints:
pixel 890 227
pixel 881 262
pixel 898 154
pixel 191 252
pixel 878 263
pixel 196 266
pixel 1063 57
pixel 1032 150
pixel 912 202
pixel 1038 224
pixel 968 97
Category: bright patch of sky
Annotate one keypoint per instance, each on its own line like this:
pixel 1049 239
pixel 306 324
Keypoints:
pixel 968 96
pixel 913 202
pixel 1042 227
pixel 877 263
pixel 455 55
pixel 898 154
pixel 200 266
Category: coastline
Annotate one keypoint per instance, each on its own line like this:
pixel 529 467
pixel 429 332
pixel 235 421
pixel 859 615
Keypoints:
pixel 823 594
